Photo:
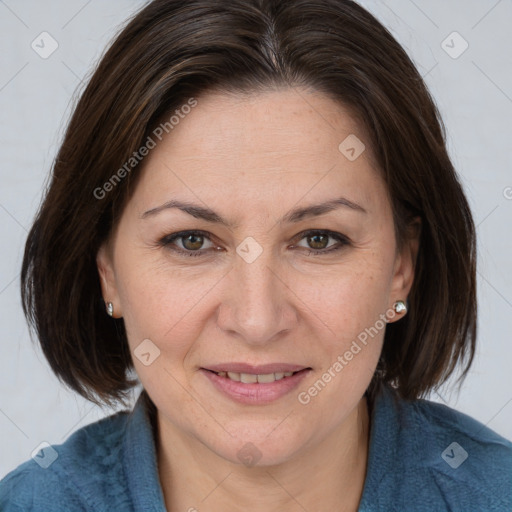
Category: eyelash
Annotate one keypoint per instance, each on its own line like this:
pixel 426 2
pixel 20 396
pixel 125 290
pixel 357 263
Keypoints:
pixel 167 241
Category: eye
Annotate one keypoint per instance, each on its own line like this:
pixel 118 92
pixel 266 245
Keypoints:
pixel 318 241
pixel 191 243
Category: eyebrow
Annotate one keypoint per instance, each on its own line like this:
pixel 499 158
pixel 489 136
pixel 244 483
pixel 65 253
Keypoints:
pixel 296 215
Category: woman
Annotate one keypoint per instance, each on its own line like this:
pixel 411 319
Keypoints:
pixel 294 151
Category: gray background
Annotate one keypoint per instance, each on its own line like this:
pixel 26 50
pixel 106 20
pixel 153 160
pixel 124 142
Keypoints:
pixel 473 92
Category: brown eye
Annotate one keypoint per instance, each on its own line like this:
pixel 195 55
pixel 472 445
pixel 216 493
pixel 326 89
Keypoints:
pixel 192 242
pixel 318 241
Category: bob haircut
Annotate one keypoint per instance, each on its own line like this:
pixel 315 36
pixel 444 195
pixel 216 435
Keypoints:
pixel 173 51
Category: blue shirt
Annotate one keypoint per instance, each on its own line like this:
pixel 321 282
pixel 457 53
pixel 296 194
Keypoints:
pixel 423 456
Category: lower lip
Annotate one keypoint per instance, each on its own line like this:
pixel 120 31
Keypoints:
pixel 256 393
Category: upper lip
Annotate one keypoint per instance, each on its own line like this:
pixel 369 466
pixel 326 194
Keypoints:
pixel 260 369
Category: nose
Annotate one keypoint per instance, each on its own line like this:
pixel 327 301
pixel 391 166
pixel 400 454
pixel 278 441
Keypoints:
pixel 257 302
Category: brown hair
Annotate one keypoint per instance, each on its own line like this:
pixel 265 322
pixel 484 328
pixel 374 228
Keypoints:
pixel 172 51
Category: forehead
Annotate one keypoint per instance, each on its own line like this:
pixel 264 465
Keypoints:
pixel 263 146
pixel 272 123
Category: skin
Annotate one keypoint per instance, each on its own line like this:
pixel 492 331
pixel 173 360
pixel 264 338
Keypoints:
pixel 252 159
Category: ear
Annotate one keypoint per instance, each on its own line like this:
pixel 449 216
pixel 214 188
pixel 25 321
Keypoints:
pixel 104 262
pixel 405 265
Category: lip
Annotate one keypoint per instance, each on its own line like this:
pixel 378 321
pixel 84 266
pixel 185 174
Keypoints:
pixel 260 369
pixel 256 393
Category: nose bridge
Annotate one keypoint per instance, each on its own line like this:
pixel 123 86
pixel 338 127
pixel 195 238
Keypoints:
pixel 257 279
pixel 255 306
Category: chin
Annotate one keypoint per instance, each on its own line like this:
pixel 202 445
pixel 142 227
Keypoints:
pixel 259 448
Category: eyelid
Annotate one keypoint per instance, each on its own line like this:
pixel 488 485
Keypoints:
pixel 333 234
pixel 184 234
pixel 168 240
pixel 341 239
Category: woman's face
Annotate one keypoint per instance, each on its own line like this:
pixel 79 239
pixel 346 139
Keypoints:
pixel 252 291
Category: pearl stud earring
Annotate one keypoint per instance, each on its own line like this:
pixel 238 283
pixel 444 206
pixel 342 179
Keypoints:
pixel 400 307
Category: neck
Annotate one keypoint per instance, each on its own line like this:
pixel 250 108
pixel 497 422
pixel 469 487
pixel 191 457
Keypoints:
pixel 327 476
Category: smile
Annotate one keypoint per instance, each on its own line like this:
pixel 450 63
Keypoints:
pixel 250 378
pixel 256 388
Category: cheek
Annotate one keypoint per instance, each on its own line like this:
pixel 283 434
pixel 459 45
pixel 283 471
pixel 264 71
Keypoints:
pixel 354 310
pixel 352 307
pixel 165 304
pixel 351 297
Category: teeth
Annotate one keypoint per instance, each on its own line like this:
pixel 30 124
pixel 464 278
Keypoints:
pixel 267 377
pixel 250 378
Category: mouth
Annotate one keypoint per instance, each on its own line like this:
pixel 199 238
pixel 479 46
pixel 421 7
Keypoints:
pixel 255 385
pixel 253 378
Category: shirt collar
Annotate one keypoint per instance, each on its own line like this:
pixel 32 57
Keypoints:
pixel 140 459
pixel 387 420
